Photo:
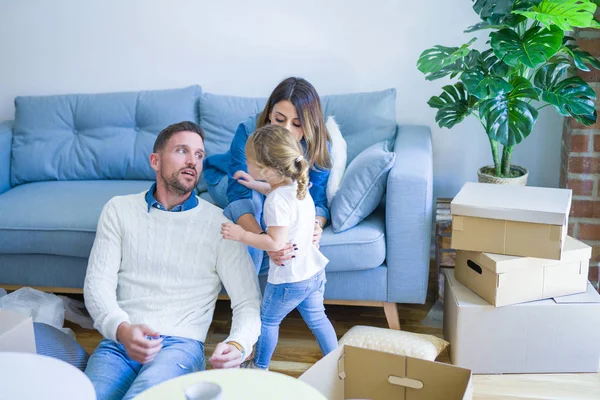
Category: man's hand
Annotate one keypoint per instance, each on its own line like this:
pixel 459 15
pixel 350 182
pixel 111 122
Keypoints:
pixel 139 348
pixel 280 257
pixel 232 231
pixel 226 356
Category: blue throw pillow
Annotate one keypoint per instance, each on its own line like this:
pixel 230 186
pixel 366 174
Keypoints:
pixel 363 186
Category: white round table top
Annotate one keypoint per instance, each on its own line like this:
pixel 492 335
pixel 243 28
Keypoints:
pixel 247 384
pixel 32 376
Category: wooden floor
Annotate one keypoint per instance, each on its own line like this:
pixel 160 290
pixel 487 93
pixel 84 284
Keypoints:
pixel 297 350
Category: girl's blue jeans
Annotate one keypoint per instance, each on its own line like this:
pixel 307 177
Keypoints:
pixel 279 300
pixel 116 376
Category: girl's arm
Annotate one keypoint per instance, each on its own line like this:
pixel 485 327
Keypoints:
pixel 274 240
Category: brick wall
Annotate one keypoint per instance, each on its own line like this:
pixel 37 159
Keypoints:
pixel 580 165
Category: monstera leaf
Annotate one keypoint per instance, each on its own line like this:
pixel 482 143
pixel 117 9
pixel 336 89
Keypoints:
pixel 535 47
pixel 566 14
pixel 482 86
pixel 500 11
pixel 582 58
pixel 550 74
pixel 570 97
pixel 453 105
pixel 507 118
pixel 440 61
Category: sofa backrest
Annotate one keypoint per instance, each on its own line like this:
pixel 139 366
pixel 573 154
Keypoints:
pixel 364 118
pixel 94 136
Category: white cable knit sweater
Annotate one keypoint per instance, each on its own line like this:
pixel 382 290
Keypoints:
pixel 164 269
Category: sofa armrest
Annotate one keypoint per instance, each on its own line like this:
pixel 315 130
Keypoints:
pixel 408 215
pixel 6 134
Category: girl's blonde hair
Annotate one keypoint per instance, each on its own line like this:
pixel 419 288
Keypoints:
pixel 274 147
pixel 306 100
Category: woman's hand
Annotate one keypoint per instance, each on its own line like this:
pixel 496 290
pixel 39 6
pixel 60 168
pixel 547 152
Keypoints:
pixel 232 231
pixel 317 232
pixel 245 179
pixel 279 257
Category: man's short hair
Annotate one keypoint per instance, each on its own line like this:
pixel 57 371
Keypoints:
pixel 164 136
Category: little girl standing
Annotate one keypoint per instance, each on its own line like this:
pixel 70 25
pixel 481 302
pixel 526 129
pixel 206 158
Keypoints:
pixel 275 157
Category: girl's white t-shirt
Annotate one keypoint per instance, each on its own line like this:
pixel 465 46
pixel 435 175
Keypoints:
pixel 282 208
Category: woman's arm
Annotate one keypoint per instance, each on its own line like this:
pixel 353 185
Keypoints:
pixel 273 240
pixel 318 179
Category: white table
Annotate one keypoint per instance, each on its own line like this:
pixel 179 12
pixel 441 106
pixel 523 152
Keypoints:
pixel 29 376
pixel 247 384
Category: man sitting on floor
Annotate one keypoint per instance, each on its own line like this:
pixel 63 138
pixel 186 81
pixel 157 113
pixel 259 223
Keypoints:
pixel 155 272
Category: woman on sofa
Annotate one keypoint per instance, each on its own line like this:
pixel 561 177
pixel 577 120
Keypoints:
pixel 295 105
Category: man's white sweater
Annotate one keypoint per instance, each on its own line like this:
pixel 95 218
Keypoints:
pixel 165 269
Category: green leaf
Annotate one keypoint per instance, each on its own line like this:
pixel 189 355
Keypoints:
pixel 507 118
pixel 440 61
pixel 510 21
pixel 482 86
pixel 500 11
pixel 550 74
pixel 453 105
pixel 566 14
pixel 582 58
pixel 536 46
pixel 522 88
pixel 574 97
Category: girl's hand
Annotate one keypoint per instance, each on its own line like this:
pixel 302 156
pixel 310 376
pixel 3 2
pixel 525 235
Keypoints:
pixel 232 231
pixel 245 179
pixel 279 257
pixel 318 231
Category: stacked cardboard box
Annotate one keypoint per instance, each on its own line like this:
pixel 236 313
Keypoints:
pixel 518 300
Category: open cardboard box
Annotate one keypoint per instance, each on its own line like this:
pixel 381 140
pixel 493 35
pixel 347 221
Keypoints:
pixel 356 373
pixel 558 335
pixel 504 280
pixel 513 220
pixel 16 332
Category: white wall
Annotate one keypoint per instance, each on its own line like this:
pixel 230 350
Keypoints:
pixel 246 47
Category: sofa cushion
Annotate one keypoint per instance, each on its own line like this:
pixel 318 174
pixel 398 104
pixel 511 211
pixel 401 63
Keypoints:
pixel 363 118
pixel 221 115
pixel 57 217
pixel 363 186
pixel 94 136
pixel 362 247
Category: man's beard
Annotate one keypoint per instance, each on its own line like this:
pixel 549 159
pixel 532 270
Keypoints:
pixel 175 186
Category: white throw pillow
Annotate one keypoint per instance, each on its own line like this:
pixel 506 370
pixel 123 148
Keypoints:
pixel 417 345
pixel 338 159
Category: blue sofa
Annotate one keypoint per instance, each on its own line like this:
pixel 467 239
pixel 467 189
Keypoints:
pixel 63 157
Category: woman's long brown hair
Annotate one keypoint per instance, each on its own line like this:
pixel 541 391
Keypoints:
pixel 306 100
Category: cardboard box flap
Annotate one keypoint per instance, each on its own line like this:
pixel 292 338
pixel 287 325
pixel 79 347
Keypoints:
pixel 513 203
pixel 439 381
pixel 319 376
pixel 590 296
pixel 357 373
pixel 573 250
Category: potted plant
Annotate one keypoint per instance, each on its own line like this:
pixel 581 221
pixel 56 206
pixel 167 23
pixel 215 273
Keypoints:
pixel 529 64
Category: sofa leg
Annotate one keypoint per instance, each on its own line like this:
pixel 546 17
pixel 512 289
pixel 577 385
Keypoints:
pixel 391 314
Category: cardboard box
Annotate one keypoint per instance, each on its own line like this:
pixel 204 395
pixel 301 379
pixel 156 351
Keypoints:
pixel 504 280
pixel 16 332
pixel 357 373
pixel 513 220
pixel 557 335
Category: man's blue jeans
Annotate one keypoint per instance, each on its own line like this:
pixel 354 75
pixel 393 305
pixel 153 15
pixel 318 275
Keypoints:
pixel 116 376
pixel 279 301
